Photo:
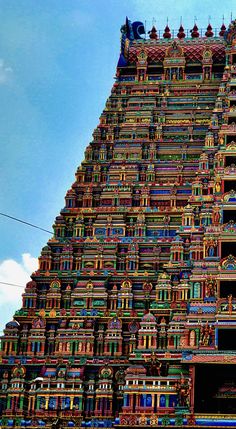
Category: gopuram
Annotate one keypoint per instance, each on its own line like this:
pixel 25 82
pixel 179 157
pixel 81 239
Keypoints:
pixel 130 319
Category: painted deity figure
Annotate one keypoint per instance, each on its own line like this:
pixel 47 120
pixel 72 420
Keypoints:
pixel 142 420
pixel 38 323
pixel 221 142
pixel 207 73
pixel 211 248
pixel 210 288
pixel 163 324
pixel 153 420
pixel 154 365
pixel 217 187
pixel 140 218
pixel 230 303
pixel 192 338
pixel 147 286
pixel 166 222
pixel 216 216
pixel 209 334
pixel 126 284
pixel 206 335
pixel 183 391
pixel 174 75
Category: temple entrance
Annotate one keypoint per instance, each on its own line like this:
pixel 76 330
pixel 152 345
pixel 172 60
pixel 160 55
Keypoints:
pixel 215 389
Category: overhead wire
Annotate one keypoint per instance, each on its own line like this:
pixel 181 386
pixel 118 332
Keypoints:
pixel 26 223
pixel 12 284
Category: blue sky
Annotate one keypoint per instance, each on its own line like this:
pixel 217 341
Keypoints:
pixel 57 63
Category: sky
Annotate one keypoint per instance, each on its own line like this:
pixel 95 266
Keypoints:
pixel 57 67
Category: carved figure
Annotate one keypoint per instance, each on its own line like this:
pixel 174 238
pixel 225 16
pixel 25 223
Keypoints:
pixel 183 391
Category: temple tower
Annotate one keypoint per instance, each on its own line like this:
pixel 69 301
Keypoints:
pixel 130 318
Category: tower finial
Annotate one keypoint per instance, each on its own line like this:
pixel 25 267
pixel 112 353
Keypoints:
pixel 209 32
pixel 153 33
pixel 167 33
pixel 181 33
pixel 222 29
pixel 194 32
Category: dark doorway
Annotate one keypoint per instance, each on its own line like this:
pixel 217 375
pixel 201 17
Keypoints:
pixel 227 339
pixel 229 215
pixel 228 248
pixel 229 185
pixel 215 389
pixel 229 160
pixel 227 288
pixel 230 138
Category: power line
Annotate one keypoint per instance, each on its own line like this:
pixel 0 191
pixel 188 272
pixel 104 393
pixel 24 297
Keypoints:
pixel 11 284
pixel 26 223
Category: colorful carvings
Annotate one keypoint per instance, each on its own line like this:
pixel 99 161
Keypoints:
pixel 135 295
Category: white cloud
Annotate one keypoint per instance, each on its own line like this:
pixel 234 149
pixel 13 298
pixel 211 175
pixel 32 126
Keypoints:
pixel 5 72
pixel 16 273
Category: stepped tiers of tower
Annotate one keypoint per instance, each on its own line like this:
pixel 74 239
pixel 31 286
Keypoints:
pixel 130 319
